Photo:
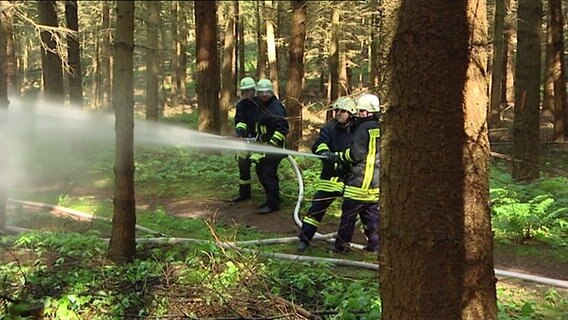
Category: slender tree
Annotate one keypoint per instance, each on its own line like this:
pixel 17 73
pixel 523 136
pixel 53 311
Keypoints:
pixel 122 247
pixel 4 32
pixel 548 81
pixel 228 77
pixel 106 57
pixel 526 126
pixel 509 42
pixel 261 42
pixel 271 44
pixel 497 65
pixel 50 60
pixel 296 72
pixel 152 62
pixel 240 42
pixel 208 77
pixel 333 81
pixel 175 52
pixel 74 55
pixel 11 61
pixel 436 240
pixel 558 71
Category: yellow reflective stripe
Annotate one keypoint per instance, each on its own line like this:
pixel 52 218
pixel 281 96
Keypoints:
pixel 245 181
pixel 279 136
pixel 334 179
pixel 367 195
pixel 263 129
pixel 322 147
pixel 241 125
pixel 347 155
pixel 329 186
pixel 311 221
pixel 370 161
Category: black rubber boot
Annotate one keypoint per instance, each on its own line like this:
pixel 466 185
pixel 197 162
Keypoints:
pixel 244 193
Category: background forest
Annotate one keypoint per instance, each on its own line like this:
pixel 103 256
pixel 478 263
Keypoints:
pixel 113 188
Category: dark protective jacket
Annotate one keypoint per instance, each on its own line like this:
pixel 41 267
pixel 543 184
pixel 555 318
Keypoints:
pixel 333 137
pixel 363 153
pixel 272 124
pixel 245 118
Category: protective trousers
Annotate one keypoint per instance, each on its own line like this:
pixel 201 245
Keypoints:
pixel 321 201
pixel 369 214
pixel 267 171
pixel 244 175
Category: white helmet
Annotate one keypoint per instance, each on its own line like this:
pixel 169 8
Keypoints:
pixel 368 102
pixel 345 103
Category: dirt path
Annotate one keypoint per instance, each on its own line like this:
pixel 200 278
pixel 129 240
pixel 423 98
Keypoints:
pixel 281 223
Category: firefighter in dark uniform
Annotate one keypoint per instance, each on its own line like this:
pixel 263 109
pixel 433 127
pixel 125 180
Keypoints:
pixel 272 127
pixel 333 139
pixel 361 193
pixel 245 127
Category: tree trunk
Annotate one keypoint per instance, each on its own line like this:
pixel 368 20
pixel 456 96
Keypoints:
pixel 4 33
pixel 74 55
pixel 241 44
pixel 261 42
pixel 548 81
pixel 436 239
pixel 228 75
pixel 11 62
pixel 296 72
pixel 558 71
pixel 374 75
pixel 526 126
pixel 207 66
pixel 153 62
pixel 333 81
pixel 106 58
pixel 271 45
pixel 510 38
pixel 175 45
pixel 497 65
pixel 122 247
pixel 50 60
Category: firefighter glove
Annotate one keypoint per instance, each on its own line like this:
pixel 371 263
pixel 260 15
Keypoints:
pixel 257 157
pixel 330 157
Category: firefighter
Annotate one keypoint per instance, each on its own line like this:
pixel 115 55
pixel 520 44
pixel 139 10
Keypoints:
pixel 361 193
pixel 245 127
pixel 333 139
pixel 272 127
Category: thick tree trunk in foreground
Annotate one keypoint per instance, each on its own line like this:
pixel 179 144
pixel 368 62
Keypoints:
pixel 208 77
pixel 4 32
pixel 296 72
pixel 436 240
pixel 122 247
pixel 526 126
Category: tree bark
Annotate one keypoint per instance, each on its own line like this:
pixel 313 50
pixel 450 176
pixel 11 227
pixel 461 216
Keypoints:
pixel 261 42
pixel 228 75
pixel 296 72
pixel 122 247
pixel 333 81
pixel 271 45
pixel 50 60
pixel 548 81
pixel 508 84
pixel 241 44
pixel 4 33
pixel 174 94
pixel 208 77
pixel 497 65
pixel 106 58
pixel 11 62
pixel 436 239
pixel 74 55
pixel 526 126
pixel 153 62
pixel 558 71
